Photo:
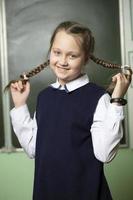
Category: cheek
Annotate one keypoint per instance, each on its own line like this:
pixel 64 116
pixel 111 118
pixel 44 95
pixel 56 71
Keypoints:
pixel 53 60
pixel 78 66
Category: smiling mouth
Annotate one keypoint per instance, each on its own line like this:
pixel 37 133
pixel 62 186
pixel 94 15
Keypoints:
pixel 66 68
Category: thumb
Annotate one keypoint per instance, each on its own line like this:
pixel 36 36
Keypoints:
pixel 26 87
pixel 114 79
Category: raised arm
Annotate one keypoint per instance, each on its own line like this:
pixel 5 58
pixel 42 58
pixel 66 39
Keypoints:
pixel 24 126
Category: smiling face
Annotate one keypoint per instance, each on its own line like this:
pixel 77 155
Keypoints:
pixel 66 57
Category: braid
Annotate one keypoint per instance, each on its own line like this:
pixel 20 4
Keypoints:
pixel 29 74
pixel 104 63
pixel 36 70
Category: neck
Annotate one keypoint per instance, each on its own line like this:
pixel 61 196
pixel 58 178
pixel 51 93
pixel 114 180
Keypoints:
pixel 65 82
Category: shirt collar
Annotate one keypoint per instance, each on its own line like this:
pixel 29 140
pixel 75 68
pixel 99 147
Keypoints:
pixel 72 85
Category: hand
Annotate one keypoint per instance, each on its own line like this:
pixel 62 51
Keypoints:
pixel 19 93
pixel 122 82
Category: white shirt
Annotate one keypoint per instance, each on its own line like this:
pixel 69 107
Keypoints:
pixel 106 129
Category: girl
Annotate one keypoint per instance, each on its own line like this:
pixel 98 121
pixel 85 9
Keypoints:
pixel 76 126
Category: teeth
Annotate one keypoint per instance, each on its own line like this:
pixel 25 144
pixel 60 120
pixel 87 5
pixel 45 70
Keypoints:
pixel 63 67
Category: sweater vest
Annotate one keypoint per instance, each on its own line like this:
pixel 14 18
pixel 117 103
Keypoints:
pixel 65 165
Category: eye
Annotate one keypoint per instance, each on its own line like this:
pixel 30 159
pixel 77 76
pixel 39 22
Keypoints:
pixel 72 56
pixel 57 53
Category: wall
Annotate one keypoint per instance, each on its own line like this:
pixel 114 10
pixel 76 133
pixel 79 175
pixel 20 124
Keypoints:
pixel 120 176
pixel 126 32
pixel 16 176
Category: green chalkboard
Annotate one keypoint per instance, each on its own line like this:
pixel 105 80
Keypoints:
pixel 30 25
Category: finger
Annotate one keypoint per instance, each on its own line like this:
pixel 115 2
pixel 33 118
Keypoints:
pixel 17 86
pixel 114 78
pixel 26 86
pixel 128 75
pixel 125 78
pixel 13 86
pixel 117 77
pixel 128 71
pixel 20 84
pixel 128 78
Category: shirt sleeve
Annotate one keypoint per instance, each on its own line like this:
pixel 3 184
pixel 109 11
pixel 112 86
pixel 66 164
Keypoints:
pixel 106 129
pixel 25 129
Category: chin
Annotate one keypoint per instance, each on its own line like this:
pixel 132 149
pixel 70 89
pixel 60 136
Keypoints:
pixel 63 79
pixel 61 76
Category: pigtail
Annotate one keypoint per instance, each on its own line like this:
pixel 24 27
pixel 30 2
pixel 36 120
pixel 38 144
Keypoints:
pixel 104 63
pixel 35 71
pixel 108 65
pixel 25 77
pixel 126 70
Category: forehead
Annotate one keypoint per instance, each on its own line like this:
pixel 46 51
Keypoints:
pixel 64 40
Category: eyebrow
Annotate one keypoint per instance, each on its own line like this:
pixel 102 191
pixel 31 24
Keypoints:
pixel 54 48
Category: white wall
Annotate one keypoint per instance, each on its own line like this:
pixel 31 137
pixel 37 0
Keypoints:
pixel 126 28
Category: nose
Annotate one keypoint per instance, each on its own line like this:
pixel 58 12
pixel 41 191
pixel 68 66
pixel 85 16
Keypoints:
pixel 63 61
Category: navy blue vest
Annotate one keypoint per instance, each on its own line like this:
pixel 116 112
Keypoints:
pixel 65 165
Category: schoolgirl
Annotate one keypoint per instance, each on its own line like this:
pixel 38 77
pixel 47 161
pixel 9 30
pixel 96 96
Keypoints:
pixel 77 124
